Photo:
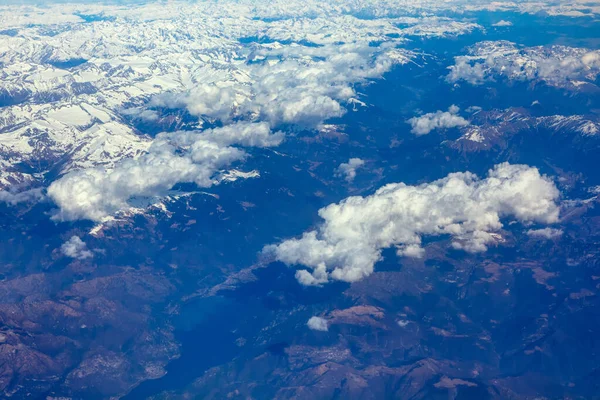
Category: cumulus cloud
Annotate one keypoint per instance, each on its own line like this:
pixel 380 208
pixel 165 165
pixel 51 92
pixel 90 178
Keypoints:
pixel 545 233
pixel 594 189
pixel 468 209
pixel 348 170
pixel 76 248
pixel 172 158
pixel 502 23
pixel 206 99
pixel 438 120
pixel 268 86
pixel 290 85
pixel 554 65
pixel 317 324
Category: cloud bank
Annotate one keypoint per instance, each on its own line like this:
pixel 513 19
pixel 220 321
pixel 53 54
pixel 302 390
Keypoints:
pixel 76 248
pixel 289 85
pixel 462 206
pixel 348 170
pixel 317 324
pixel 424 124
pixel 172 158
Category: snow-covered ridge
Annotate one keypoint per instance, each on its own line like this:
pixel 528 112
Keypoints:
pixel 566 67
pixel 490 128
pixel 12 16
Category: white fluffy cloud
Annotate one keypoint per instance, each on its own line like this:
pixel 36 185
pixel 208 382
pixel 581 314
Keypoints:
pixel 206 99
pixel 545 233
pixel 172 158
pixel 555 65
pixel 348 170
pixel 438 120
pixel 503 23
pixel 468 209
pixel 76 248
pixel 263 85
pixel 288 85
pixel 317 324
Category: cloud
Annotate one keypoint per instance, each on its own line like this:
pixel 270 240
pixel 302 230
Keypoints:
pixel 317 324
pixel 502 23
pixel 76 248
pixel 144 115
pixel 297 85
pixel 424 124
pixel 259 84
pixel 348 170
pixel 559 66
pixel 172 158
pixel 547 233
pixel 25 196
pixel 209 100
pixel 462 206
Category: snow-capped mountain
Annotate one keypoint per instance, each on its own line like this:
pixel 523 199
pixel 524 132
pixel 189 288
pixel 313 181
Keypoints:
pixel 560 66
pixel 90 89
pixel 489 129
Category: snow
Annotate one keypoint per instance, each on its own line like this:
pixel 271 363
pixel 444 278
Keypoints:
pixel 71 115
pixel 474 135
